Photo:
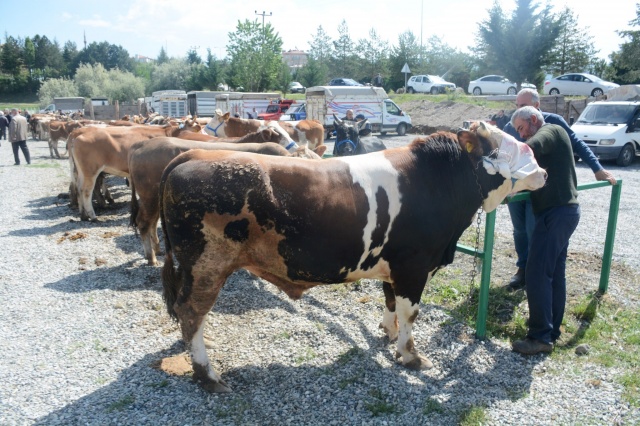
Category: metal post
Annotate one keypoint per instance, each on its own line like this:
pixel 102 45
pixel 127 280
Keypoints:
pixel 485 276
pixel 263 14
pixel 611 236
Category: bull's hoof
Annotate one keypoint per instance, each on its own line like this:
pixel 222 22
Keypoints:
pixel 152 262
pixel 215 387
pixel 419 362
pixel 391 336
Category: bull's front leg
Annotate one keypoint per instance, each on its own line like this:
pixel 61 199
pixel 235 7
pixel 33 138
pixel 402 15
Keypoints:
pixel 407 311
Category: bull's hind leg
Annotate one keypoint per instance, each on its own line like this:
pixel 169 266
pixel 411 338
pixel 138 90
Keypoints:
pixel 389 318
pixel 193 304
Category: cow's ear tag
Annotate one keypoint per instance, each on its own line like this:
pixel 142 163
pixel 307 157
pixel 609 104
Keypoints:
pixel 469 147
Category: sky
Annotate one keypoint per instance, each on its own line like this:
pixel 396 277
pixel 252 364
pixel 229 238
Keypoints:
pixel 144 26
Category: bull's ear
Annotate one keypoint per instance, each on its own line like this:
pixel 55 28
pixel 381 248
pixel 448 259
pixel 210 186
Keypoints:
pixel 483 130
pixel 470 143
pixel 267 133
pixel 226 116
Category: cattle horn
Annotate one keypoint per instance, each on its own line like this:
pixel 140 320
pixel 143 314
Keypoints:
pixel 482 130
pixel 337 120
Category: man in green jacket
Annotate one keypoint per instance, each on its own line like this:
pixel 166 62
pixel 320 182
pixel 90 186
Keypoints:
pixel 557 213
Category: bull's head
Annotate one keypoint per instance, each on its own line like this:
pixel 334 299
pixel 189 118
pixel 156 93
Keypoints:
pixel 502 154
pixel 347 136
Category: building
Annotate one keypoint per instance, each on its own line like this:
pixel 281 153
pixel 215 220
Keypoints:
pixel 295 59
pixel 143 59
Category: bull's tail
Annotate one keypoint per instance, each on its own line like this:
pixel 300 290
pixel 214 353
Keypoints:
pixel 135 207
pixel 171 275
pixel 73 186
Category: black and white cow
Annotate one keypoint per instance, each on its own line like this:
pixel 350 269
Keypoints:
pixel 351 140
pixel 394 215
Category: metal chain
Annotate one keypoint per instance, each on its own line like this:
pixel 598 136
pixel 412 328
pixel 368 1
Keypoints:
pixel 476 247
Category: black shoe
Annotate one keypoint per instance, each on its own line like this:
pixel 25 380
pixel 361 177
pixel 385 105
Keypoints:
pixel 530 346
pixel 517 280
pixel 16 164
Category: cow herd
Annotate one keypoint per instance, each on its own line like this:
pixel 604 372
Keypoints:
pixel 249 194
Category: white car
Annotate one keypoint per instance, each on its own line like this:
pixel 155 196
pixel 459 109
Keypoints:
pixel 495 85
pixel 295 87
pixel 578 84
pixel 429 84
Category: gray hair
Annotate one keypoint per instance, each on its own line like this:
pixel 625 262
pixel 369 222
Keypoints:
pixel 525 113
pixel 535 96
pixel 14 110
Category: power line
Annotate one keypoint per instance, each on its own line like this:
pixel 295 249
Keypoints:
pixel 263 14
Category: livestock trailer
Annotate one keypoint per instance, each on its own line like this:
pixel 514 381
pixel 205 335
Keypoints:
pixel 202 103
pixel 243 104
pixel 170 103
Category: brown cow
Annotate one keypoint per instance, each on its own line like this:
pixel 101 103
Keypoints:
pixel 147 160
pixel 94 150
pixel 60 130
pixel 308 132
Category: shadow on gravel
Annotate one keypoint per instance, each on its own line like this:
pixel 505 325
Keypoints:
pixel 347 390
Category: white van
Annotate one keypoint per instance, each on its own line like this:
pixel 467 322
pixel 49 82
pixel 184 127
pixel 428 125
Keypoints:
pixel 611 129
pixel 372 102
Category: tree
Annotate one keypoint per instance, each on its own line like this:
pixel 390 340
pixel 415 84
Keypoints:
pixel 163 58
pixel 91 80
pixel 256 55
pixel 213 72
pixel 625 64
pixel 574 51
pixel 372 56
pixel 109 55
pixel 406 52
pixel 193 57
pixel 29 55
pixel 172 75
pixel 56 87
pixel 11 57
pixel 69 54
pixel 284 79
pixel 344 60
pixel 320 47
pixel 520 45
pixel 123 86
pixel 48 59
pixel 313 73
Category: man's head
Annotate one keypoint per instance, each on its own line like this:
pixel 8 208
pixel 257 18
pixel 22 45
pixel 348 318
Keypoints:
pixel 527 121
pixel 349 115
pixel 14 111
pixel 528 97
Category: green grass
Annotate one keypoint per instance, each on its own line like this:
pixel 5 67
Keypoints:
pixel 377 405
pixel 473 416
pixel 432 406
pixel 122 403
pixel 352 353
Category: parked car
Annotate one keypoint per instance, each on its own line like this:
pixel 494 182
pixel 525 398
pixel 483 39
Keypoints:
pixel 343 82
pixel 579 84
pixel 296 87
pixel 429 84
pixel 495 85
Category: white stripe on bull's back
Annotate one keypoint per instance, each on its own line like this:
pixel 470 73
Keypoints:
pixel 372 172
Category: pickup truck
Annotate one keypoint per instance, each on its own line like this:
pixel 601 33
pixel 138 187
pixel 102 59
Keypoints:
pixel 297 112
pixel 276 109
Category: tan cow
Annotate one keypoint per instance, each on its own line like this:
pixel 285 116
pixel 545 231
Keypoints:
pixel 60 130
pixel 305 132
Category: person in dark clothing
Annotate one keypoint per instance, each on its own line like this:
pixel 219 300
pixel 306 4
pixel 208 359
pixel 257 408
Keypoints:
pixel 500 119
pixel 520 211
pixel 4 123
pixel 557 213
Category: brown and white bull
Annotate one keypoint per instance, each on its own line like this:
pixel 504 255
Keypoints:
pixel 147 160
pixel 394 215
pixel 60 130
pixel 304 132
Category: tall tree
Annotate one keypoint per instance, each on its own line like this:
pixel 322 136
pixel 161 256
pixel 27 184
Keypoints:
pixel 193 57
pixel 344 60
pixel 373 57
pixel 284 79
pixel 11 60
pixel 320 47
pixel 519 45
pixel 574 51
pixel 69 53
pixel 163 58
pixel 407 51
pixel 109 55
pixel 29 55
pixel 256 55
pixel 625 64
pixel 313 73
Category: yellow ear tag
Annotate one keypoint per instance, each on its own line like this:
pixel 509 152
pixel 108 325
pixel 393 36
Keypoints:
pixel 469 148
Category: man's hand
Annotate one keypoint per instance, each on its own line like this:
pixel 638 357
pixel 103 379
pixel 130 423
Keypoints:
pixel 605 175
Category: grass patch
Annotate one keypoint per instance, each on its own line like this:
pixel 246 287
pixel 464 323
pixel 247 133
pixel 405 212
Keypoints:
pixel 122 403
pixel 378 405
pixel 432 406
pixel 44 165
pixel 473 416
pixel 352 353
pixel 307 355
pixel 235 409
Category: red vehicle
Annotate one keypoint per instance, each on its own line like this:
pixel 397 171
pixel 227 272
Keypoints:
pixel 275 110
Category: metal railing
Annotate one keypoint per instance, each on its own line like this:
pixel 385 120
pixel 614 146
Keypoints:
pixel 486 253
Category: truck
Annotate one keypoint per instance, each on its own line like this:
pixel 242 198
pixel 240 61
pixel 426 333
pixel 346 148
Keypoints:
pixel 296 112
pixel 243 103
pixel 275 109
pixel 371 102
pixel 169 103
pixel 67 105
pixel 202 103
pixel 611 128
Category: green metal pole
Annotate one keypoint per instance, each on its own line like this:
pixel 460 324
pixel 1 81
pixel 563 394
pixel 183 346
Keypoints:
pixel 485 276
pixel 614 206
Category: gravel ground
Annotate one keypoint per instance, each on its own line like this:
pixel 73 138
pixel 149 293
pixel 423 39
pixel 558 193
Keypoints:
pixel 83 322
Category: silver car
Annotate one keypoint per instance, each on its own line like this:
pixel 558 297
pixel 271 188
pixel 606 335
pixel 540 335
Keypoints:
pixel 578 84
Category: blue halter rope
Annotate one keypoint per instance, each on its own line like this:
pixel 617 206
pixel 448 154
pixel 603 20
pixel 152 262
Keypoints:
pixel 215 131
pixel 342 142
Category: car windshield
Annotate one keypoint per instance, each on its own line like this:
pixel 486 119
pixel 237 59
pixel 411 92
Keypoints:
pixel 350 82
pixel 273 108
pixel 606 114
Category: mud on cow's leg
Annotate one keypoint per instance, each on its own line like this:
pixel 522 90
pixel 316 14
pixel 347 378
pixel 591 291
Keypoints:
pixel 389 318
pixel 407 312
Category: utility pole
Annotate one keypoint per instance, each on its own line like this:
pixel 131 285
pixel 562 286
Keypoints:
pixel 263 14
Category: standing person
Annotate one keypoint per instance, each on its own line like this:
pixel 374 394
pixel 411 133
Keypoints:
pixel 557 213
pixel 349 115
pixel 18 136
pixel 500 119
pixel 377 80
pixel 520 211
pixel 4 123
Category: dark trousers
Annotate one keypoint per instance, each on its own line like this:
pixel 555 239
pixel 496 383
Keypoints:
pixel 25 151
pixel 545 272
pixel 3 133
pixel 523 222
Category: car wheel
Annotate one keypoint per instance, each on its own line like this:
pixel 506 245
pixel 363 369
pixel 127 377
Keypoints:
pixel 596 93
pixel 434 90
pixel 554 92
pixel 477 91
pixel 511 91
pixel 402 129
pixel 626 155
pixel 411 90
pixel 383 133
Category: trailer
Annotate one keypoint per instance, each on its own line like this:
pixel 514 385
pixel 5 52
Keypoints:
pixel 202 103
pixel 242 104
pixel 323 102
pixel 67 105
pixel 170 103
